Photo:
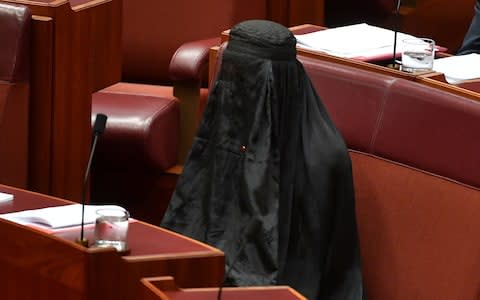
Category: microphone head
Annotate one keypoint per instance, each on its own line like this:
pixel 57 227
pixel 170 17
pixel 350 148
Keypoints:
pixel 100 122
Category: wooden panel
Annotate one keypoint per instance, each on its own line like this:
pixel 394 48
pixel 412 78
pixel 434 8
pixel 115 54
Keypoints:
pixel 72 102
pixel 14 133
pixel 306 11
pixel 296 12
pixel 437 80
pixel 37 265
pixel 444 21
pixel 277 10
pixel 105 42
pixel 164 288
pixel 151 292
pixel 75 51
pixel 41 104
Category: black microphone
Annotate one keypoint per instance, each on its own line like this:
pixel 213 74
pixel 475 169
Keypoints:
pixel 396 22
pixel 98 128
pixel 252 228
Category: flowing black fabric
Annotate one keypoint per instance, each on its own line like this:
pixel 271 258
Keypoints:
pixel 267 153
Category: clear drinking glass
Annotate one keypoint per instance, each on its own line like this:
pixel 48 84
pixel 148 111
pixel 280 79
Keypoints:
pixel 111 228
pixel 417 54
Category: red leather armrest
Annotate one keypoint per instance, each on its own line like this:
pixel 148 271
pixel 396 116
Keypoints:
pixel 190 61
pixel 141 131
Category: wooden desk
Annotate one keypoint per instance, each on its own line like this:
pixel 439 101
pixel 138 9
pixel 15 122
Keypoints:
pixel 469 88
pixel 164 288
pixel 471 85
pixel 75 51
pixel 432 79
pixel 39 265
pixel 307 28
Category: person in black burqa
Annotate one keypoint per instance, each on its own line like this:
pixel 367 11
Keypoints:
pixel 266 151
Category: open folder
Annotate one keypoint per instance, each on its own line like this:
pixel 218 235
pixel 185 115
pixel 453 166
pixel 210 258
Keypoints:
pixel 57 216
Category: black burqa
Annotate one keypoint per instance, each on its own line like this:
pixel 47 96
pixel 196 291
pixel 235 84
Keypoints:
pixel 267 153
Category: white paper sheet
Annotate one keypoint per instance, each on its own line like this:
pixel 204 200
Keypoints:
pixel 458 68
pixel 56 216
pixel 359 40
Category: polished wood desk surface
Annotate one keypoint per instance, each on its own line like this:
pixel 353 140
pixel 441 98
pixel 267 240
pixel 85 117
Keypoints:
pixel 251 293
pixel 308 28
pixel 164 288
pixel 143 238
pixel 154 251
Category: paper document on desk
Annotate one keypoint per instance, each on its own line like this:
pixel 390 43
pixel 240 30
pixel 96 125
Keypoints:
pixel 353 41
pixel 56 216
pixel 458 68
pixel 4 197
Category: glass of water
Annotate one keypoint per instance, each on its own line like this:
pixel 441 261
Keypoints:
pixel 417 54
pixel 111 228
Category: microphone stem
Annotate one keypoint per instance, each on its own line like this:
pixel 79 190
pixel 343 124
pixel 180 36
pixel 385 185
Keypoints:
pixel 85 182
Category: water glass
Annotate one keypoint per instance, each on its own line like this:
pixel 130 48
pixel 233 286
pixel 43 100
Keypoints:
pixel 417 54
pixel 111 228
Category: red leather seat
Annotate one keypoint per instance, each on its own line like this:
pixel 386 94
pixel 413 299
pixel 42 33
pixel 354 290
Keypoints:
pixel 416 170
pixel 15 22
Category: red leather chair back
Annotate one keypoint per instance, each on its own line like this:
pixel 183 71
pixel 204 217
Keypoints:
pixel 401 120
pixel 354 99
pixel 14 30
pixel 14 72
pixel 432 130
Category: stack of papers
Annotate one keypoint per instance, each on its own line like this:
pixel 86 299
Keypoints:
pixel 459 68
pixel 359 41
pixel 56 216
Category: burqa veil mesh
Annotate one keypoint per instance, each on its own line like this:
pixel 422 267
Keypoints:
pixel 267 153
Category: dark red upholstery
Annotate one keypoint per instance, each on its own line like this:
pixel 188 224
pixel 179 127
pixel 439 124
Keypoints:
pixel 353 98
pixel 15 22
pixel 416 168
pixel 15 32
pixel 150 144
pixel 190 61
pixel 418 232
pixel 431 130
pixel 138 145
pixel 401 120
